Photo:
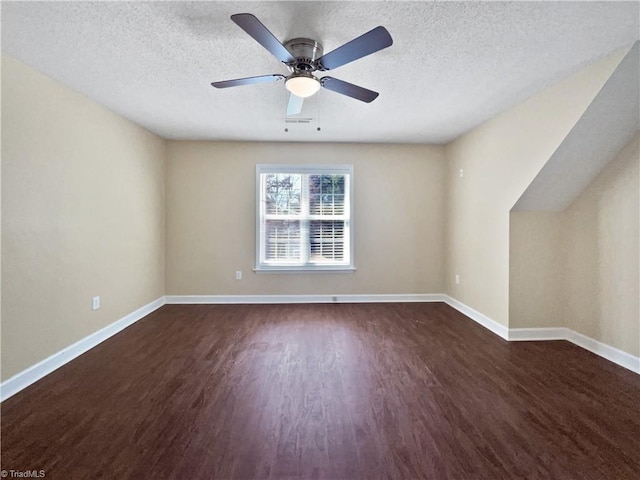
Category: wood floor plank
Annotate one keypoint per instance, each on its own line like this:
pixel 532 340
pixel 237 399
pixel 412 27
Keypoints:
pixel 333 391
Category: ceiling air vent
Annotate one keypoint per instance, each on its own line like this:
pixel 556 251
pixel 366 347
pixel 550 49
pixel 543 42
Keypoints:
pixel 298 120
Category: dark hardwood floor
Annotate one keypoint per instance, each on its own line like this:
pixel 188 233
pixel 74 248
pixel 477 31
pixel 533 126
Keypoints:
pixel 325 391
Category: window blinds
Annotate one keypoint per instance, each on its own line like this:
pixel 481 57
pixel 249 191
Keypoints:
pixel 304 217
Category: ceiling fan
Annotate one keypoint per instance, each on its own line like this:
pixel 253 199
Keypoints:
pixel 304 56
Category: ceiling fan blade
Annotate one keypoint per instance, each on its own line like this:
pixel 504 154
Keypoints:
pixel 294 107
pixel 366 44
pixel 261 34
pixel 349 89
pixel 248 81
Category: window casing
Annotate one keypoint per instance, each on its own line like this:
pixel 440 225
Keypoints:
pixel 303 217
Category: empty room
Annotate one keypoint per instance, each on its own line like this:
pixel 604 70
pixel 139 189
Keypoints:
pixel 320 240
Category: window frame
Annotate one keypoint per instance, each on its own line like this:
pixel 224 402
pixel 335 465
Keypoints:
pixel 347 170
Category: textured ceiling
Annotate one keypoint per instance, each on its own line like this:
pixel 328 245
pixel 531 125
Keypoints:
pixel 452 65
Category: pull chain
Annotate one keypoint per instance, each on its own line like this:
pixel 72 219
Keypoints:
pixel 285 122
pixel 318 111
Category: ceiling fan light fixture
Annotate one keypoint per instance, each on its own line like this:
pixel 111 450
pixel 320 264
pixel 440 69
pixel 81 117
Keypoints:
pixel 302 86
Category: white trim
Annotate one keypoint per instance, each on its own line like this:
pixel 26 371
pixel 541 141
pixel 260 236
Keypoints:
pixel 34 373
pixel 603 350
pixel 304 270
pixel 538 334
pixel 478 317
pixel 613 354
pixel 265 299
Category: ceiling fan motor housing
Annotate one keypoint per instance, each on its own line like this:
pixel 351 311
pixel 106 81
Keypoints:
pixel 305 51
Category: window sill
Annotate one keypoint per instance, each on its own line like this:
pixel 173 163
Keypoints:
pixel 304 270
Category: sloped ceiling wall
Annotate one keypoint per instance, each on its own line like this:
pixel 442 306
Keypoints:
pixel 607 125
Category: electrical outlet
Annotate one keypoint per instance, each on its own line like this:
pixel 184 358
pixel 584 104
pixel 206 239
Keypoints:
pixel 96 303
pixel 238 274
pixel 461 173
pixel 457 279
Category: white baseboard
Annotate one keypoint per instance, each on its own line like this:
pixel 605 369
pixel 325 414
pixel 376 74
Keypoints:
pixel 612 354
pixel 536 334
pixel 608 352
pixel 266 299
pixel 478 317
pixel 34 373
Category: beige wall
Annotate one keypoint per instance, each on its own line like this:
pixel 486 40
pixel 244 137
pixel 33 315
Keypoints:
pixel 602 251
pixel 500 158
pixel 536 270
pixel 82 215
pixel 398 211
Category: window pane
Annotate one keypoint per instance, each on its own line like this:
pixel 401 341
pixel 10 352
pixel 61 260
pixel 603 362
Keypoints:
pixel 303 217
pixel 282 241
pixel 282 193
pixel 326 194
pixel 326 241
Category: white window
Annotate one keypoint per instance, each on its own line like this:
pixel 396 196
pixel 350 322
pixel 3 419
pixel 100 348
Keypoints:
pixel 303 217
